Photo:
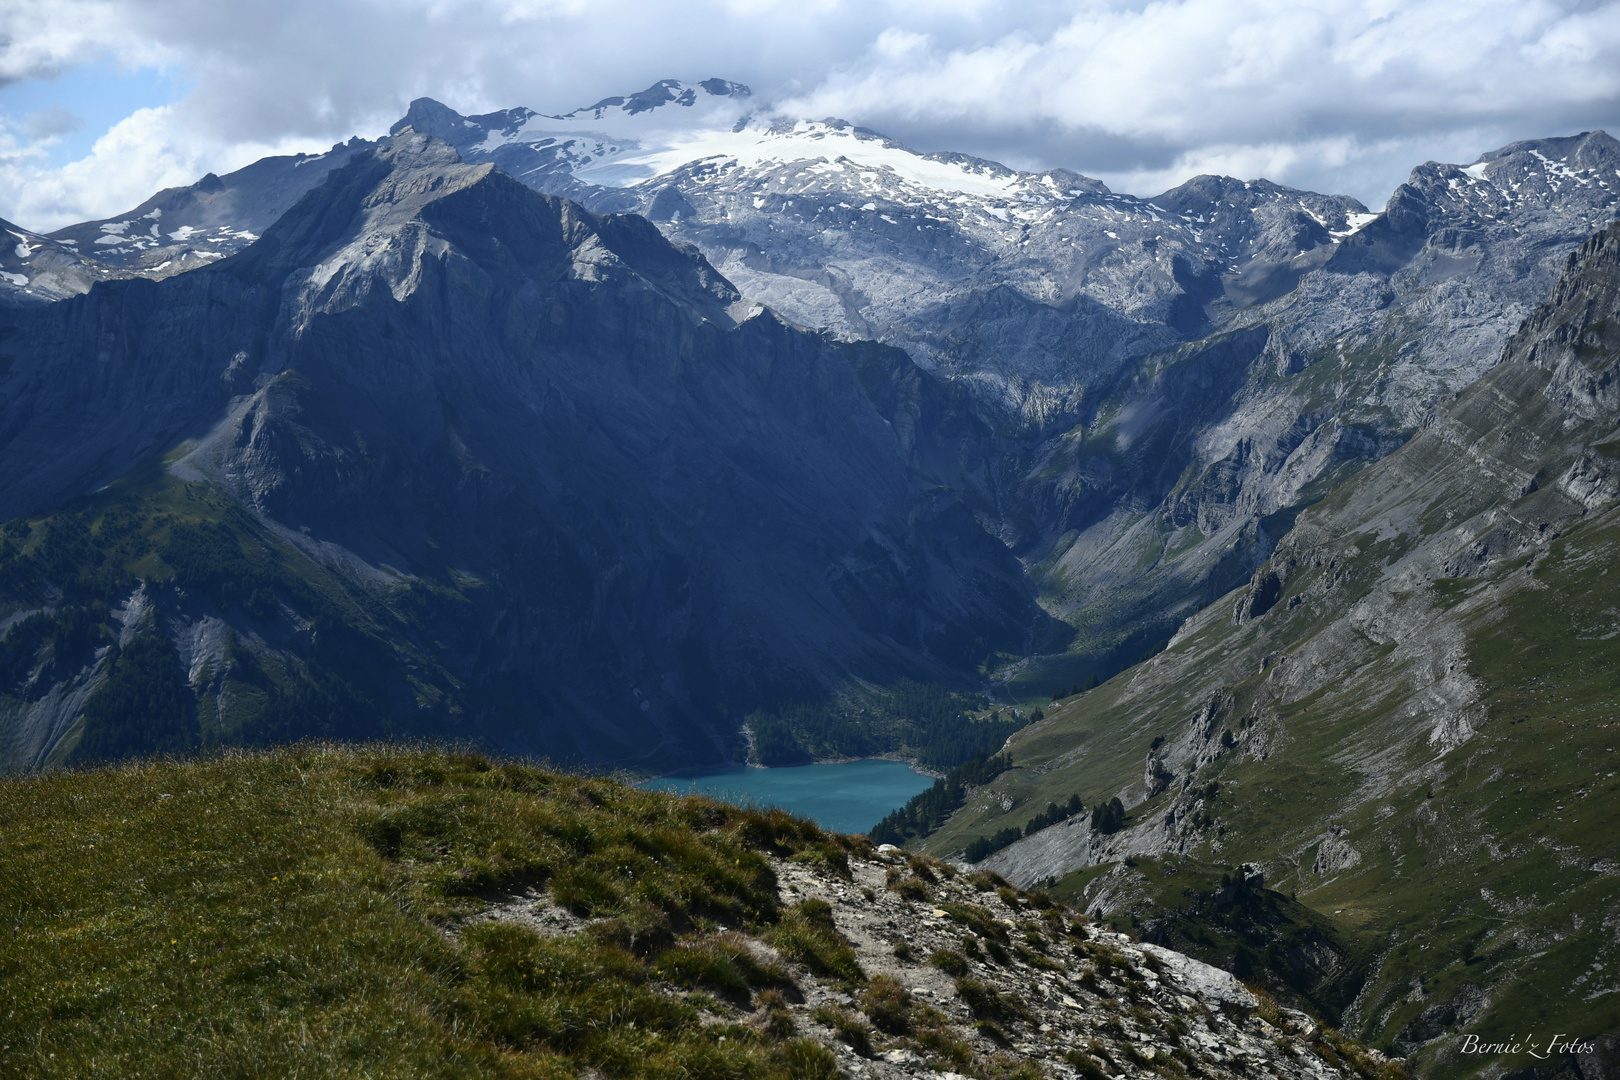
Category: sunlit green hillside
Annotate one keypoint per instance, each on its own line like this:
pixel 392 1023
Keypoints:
pixel 287 914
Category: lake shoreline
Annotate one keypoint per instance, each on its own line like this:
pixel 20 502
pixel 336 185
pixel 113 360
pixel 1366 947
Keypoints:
pixel 849 796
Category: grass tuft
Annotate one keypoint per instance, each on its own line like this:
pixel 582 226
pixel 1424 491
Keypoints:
pixel 986 1003
pixel 1085 1065
pixel 950 962
pixel 849 1029
pixel 806 935
pixel 888 1005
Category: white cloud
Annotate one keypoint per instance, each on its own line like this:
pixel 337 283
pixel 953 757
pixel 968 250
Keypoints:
pixel 40 39
pixel 1335 94
pixel 1209 70
pixel 149 150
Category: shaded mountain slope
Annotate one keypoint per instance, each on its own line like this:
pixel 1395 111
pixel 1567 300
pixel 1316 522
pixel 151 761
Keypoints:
pixel 1407 717
pixel 570 492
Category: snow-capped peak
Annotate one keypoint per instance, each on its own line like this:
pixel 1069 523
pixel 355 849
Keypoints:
pixel 663 92
pixel 622 141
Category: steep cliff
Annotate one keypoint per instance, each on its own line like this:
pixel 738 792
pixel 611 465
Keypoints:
pixel 548 475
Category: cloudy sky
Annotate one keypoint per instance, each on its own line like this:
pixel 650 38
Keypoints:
pixel 103 102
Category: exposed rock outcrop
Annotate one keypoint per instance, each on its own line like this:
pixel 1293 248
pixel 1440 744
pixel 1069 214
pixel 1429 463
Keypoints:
pixel 967 977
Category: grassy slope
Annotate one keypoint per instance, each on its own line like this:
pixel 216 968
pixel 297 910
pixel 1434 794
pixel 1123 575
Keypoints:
pixel 1466 878
pixel 284 913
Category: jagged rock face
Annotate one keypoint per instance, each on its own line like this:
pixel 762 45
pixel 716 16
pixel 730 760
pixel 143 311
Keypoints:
pixel 1469 253
pixel 667 502
pixel 1360 694
pixel 1270 236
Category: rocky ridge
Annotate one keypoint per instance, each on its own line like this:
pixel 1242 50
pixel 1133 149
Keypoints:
pixel 35 269
pixel 966 976
pixel 183 228
pixel 176 230
pixel 527 922
pixel 1435 628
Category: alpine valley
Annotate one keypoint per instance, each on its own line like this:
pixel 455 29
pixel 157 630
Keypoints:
pixel 675 431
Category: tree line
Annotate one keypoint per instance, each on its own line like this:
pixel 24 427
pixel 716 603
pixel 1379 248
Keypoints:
pixel 927 811
pixel 982 846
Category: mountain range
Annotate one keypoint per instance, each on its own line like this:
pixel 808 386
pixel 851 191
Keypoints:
pixel 1149 369
pixel 672 429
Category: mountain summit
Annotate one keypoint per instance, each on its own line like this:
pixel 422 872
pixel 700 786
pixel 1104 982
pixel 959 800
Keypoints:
pixel 548 473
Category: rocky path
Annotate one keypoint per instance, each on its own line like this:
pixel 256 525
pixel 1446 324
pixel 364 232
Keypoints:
pixel 969 977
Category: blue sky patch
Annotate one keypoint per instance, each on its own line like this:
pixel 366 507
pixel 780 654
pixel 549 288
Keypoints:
pixel 80 105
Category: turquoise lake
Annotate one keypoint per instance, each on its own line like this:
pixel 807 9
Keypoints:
pixel 848 797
